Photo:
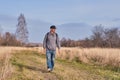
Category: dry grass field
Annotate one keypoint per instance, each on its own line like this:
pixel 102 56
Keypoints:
pixel 99 56
pixel 18 63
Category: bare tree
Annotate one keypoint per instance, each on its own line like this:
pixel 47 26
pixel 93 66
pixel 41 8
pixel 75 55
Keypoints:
pixel 69 43
pixel 9 39
pixel 97 36
pixel 101 37
pixel 21 31
pixel 112 37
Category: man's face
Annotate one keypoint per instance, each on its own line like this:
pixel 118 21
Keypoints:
pixel 52 30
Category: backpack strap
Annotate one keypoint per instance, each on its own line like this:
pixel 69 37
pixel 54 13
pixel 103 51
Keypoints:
pixel 47 37
pixel 56 35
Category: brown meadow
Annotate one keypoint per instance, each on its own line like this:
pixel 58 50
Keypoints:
pixel 90 56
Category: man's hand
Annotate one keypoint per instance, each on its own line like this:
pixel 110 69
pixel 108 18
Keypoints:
pixel 44 50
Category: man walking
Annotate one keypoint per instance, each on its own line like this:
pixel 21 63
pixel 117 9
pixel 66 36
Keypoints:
pixel 51 41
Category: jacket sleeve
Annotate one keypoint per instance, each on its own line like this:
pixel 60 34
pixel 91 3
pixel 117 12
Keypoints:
pixel 44 41
pixel 58 42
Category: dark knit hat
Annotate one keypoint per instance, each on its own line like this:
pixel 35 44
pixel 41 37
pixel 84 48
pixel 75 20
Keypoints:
pixel 53 27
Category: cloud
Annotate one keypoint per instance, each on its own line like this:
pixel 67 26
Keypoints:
pixel 116 19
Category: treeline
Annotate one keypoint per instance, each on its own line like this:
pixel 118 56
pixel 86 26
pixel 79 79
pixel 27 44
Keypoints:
pixel 101 37
pixel 9 39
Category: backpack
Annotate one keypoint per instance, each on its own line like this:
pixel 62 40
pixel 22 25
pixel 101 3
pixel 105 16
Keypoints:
pixel 56 36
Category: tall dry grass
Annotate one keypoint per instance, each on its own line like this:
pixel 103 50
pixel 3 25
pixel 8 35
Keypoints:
pixel 99 56
pixel 5 55
pixel 5 66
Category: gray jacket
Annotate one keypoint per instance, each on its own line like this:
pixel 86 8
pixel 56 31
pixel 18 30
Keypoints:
pixel 51 41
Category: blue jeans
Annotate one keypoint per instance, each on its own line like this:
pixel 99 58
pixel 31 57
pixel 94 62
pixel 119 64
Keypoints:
pixel 50 55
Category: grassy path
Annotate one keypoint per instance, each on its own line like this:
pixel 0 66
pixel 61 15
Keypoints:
pixel 29 65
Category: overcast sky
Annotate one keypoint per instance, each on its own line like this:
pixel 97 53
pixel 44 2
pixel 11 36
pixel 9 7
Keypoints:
pixel 64 11
pixel 91 12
